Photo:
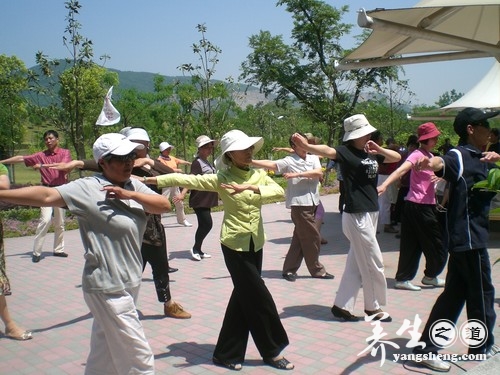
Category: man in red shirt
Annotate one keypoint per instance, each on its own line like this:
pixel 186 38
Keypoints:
pixel 51 178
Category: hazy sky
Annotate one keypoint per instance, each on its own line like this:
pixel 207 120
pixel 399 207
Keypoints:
pixel 156 35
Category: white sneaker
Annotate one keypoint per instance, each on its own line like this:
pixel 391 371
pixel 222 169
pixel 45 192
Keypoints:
pixel 406 285
pixel 195 256
pixel 433 281
pixel 205 255
pixel 435 364
pixel 186 223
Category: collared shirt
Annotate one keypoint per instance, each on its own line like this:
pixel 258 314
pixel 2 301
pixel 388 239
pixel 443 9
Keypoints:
pixel 300 191
pixel 242 212
pixel 50 177
pixel 111 230
pixel 468 209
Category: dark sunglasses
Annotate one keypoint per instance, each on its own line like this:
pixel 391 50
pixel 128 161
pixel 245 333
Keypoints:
pixel 121 158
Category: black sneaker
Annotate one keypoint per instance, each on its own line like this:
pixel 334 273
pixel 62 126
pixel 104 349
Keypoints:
pixel 35 258
pixel 61 254
pixel 290 276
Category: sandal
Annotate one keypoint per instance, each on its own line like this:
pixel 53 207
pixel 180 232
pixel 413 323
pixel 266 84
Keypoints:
pixel 281 363
pixel 26 335
pixel 232 366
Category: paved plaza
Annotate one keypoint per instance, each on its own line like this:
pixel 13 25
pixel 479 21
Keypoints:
pixel 47 299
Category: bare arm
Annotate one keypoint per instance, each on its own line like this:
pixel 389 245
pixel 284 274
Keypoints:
pixel 152 203
pixel 66 167
pixel 13 160
pixel 180 161
pixel 396 175
pixel 286 149
pixel 434 164
pixel 313 173
pixel 390 156
pixel 320 150
pixel 268 164
pixel 180 197
pixel 4 182
pixel 38 196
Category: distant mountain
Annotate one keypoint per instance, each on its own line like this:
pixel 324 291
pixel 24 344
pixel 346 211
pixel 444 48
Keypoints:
pixel 144 82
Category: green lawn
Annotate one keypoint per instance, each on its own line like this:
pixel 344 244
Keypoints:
pixel 23 175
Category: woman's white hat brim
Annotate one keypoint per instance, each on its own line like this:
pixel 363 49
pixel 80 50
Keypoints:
pixel 202 140
pixel 358 133
pixel 236 140
pixel 357 126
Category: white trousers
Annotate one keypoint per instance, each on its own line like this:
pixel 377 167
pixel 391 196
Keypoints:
pixel 364 265
pixel 118 344
pixel 44 225
pixel 170 192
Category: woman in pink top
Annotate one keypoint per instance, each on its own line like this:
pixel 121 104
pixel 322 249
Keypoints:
pixel 420 229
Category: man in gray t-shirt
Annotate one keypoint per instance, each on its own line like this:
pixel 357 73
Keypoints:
pixel 110 208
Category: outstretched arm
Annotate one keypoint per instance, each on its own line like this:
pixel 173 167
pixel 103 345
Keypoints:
pixel 38 196
pixel 13 160
pixel 320 150
pixel 286 149
pixel 434 164
pixel 152 203
pixel 267 164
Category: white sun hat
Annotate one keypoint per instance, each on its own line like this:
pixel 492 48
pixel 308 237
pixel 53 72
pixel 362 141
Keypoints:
pixel 357 126
pixel 202 140
pixel 115 144
pixel 164 146
pixel 236 140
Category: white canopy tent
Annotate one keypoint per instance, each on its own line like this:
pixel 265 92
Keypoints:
pixel 485 94
pixel 433 30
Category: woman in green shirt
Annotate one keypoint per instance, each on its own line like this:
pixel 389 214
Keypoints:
pixel 251 308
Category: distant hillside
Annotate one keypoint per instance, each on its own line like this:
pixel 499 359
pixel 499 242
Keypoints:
pixel 144 82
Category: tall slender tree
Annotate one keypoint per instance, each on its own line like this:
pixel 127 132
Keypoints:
pixel 76 96
pixel 304 70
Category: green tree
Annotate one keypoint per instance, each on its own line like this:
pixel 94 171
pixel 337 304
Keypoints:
pixel 74 107
pixel 448 97
pixel 211 104
pixel 304 70
pixel 13 81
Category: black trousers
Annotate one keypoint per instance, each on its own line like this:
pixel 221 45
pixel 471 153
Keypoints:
pixel 157 257
pixel 400 203
pixel 251 309
pixel 468 282
pixel 205 224
pixel 420 233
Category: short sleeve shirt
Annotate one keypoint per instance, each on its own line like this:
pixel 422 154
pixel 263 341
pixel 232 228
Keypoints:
pixel 422 188
pixel 300 191
pixel 111 231
pixel 360 173
pixel 50 177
